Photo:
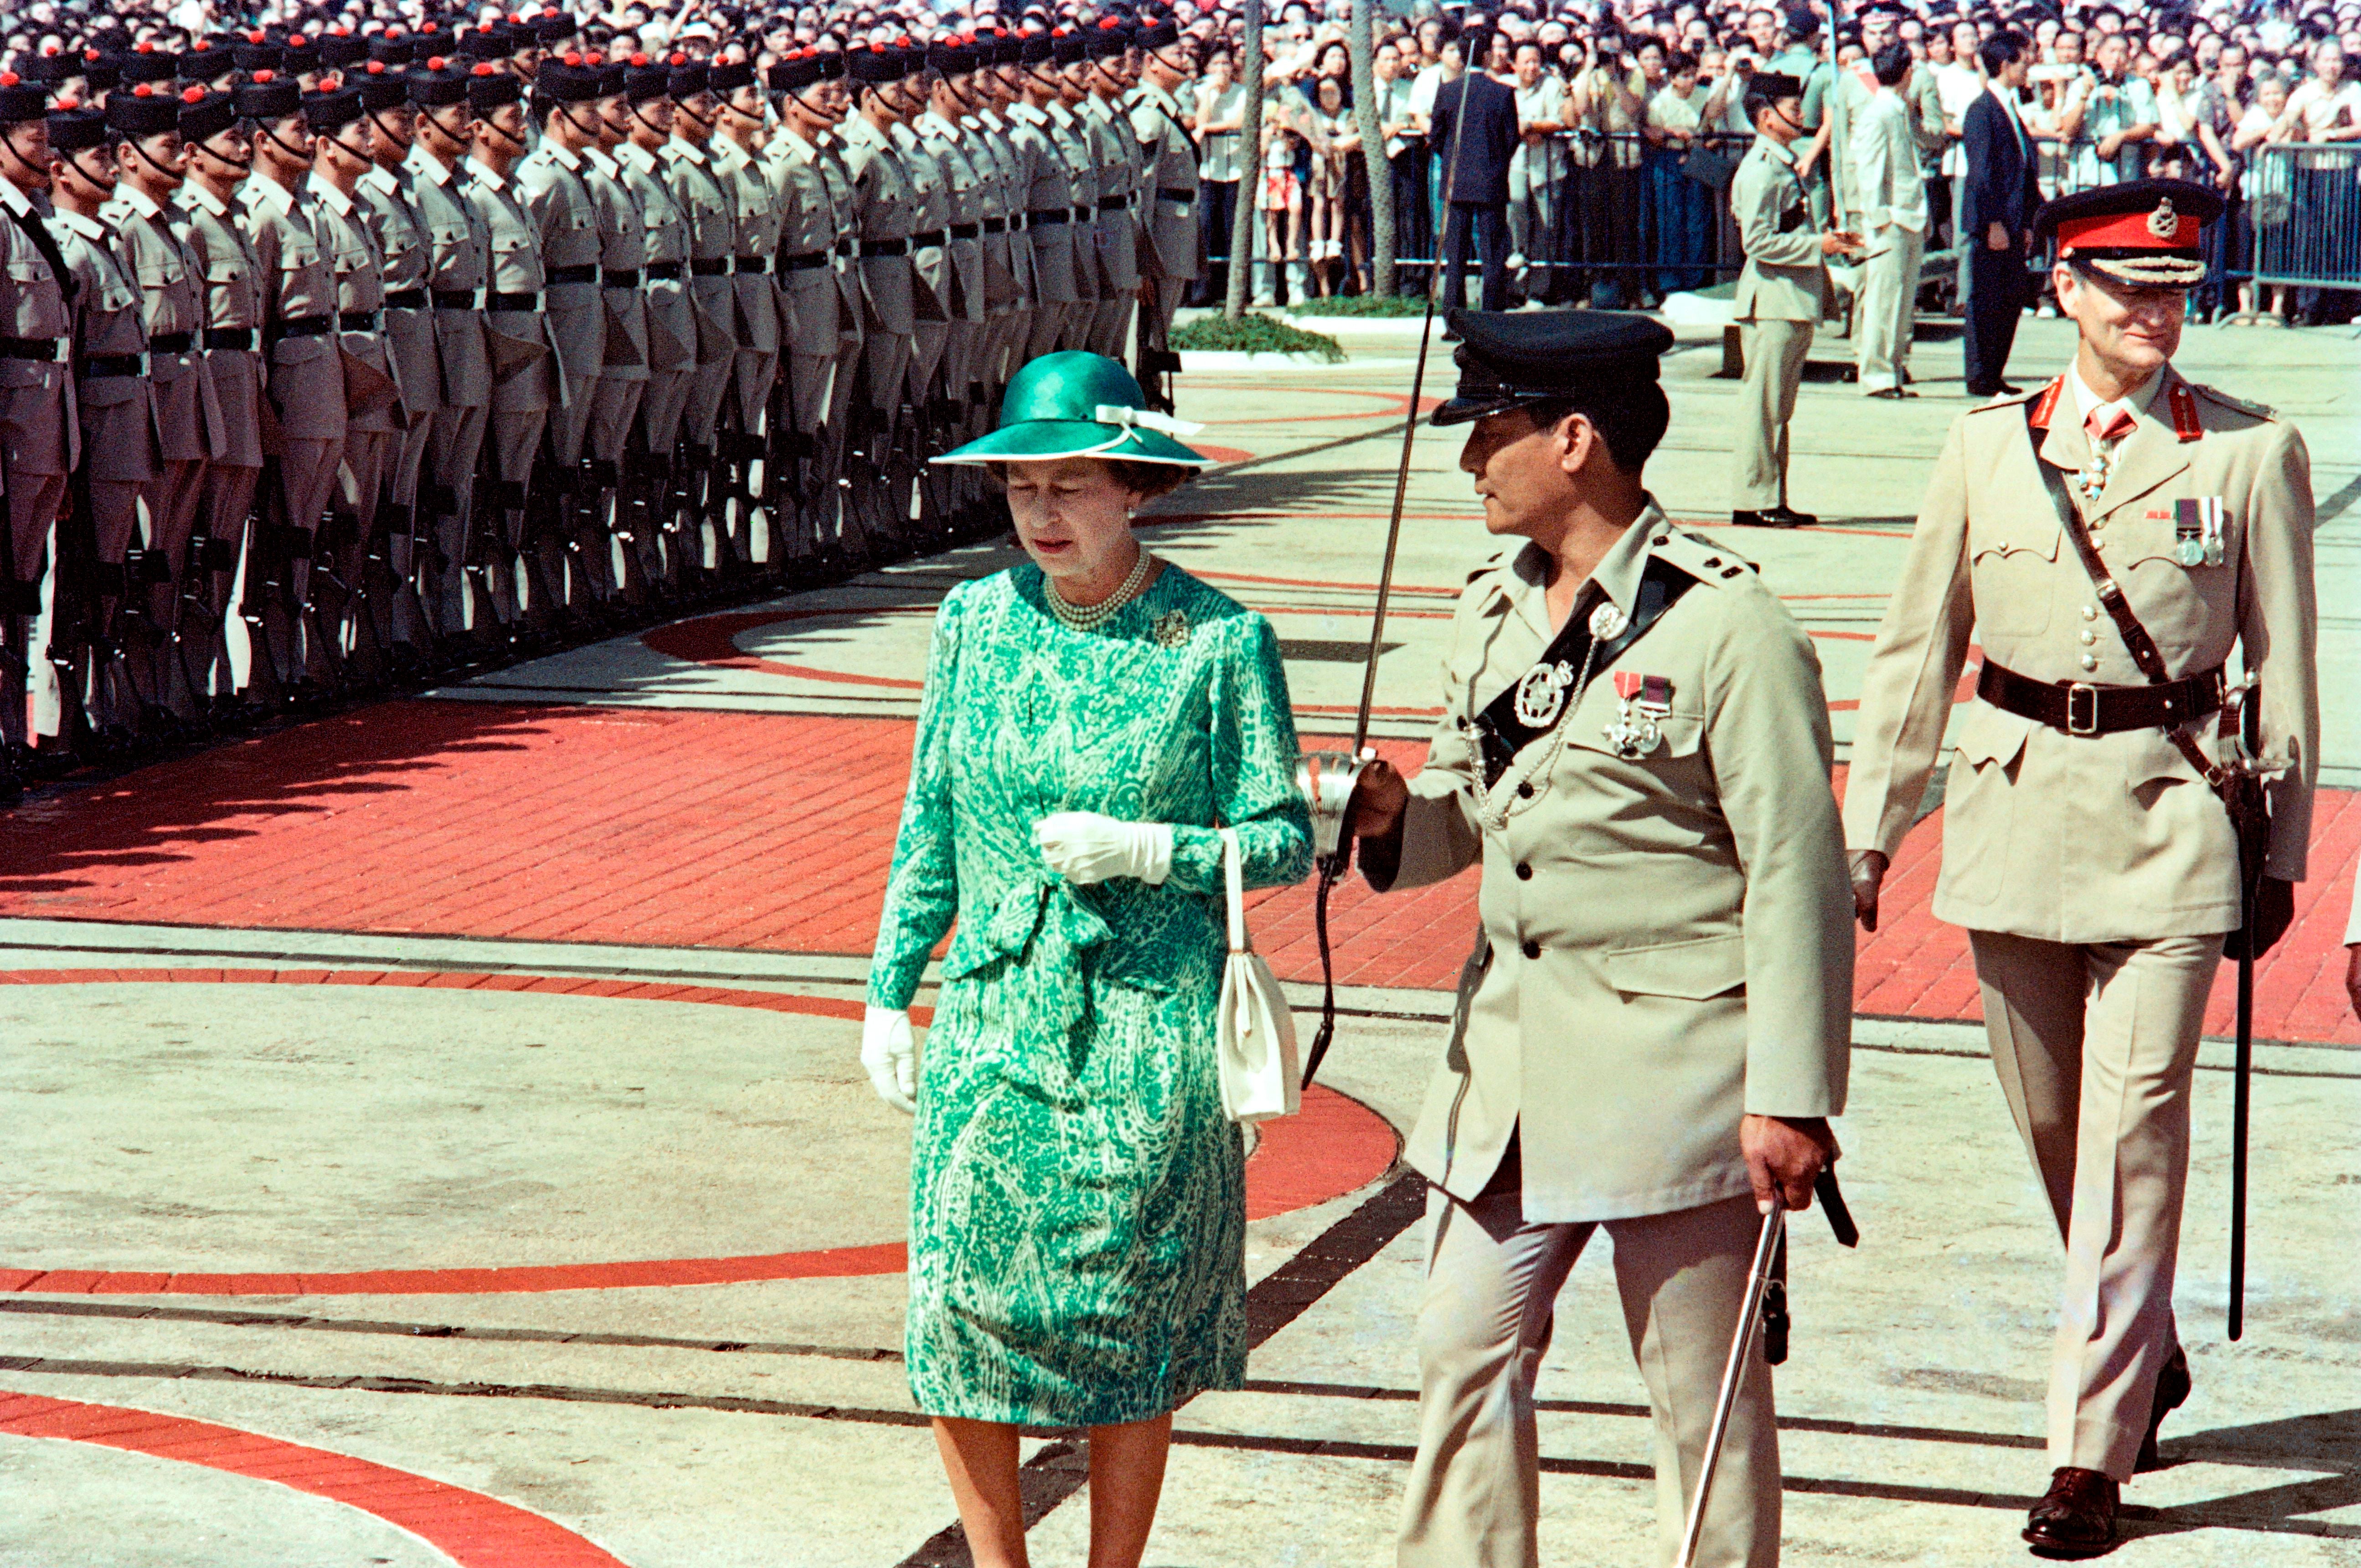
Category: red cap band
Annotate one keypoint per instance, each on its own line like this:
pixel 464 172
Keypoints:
pixel 2162 229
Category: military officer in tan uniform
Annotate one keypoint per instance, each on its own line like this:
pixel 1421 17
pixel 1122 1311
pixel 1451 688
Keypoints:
pixel 213 625
pixel 885 205
pixel 121 459
pixel 712 214
pixel 972 186
pixel 672 321
pixel 39 442
pixel 552 182
pixel 1169 261
pixel 813 302
pixel 737 163
pixel 1116 154
pixel 1007 252
pixel 150 167
pixel 1782 293
pixel 305 381
pixel 623 369
pixel 1656 1020
pixel 1049 201
pixel 2084 848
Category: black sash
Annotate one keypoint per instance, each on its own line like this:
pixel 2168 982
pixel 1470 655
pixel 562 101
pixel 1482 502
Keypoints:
pixel 1503 734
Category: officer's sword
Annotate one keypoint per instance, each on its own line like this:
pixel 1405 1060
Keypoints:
pixel 1327 778
pixel 1733 1376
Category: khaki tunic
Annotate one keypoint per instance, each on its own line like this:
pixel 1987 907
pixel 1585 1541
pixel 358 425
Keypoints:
pixel 119 418
pixel 306 380
pixel 623 248
pixel 407 264
pixel 756 219
pixel 809 226
pixel 1667 940
pixel 516 270
pixel 1007 255
pixel 344 224
pixel 1784 277
pixel 1048 202
pixel 233 302
pixel 966 198
pixel 672 320
pixel 171 285
pixel 549 185
pixel 36 428
pixel 459 252
pixel 885 203
pixel 2103 837
pixel 1116 155
pixel 1171 183
pixel 844 202
pixel 712 216
pixel 1076 159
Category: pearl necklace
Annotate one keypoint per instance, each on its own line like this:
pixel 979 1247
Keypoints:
pixel 1090 618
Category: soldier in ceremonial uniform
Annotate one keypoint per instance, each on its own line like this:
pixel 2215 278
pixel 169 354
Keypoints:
pixel 813 305
pixel 120 456
pixel 1049 202
pixel 737 164
pixel 1116 153
pixel 2109 540
pixel 551 182
pixel 939 98
pixel 150 168
pixel 1655 1022
pixel 1007 253
pixel 1069 60
pixel 712 214
pixel 624 367
pixel 672 320
pixel 1782 293
pixel 212 625
pixel 1169 261
pixel 885 207
pixel 37 438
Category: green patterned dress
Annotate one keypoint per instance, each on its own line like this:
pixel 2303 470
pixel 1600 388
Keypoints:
pixel 1078 1199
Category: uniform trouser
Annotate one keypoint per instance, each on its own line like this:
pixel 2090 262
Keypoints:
pixel 453 447
pixel 579 325
pixel 614 404
pixel 307 481
pixel 1998 286
pixel 885 360
pixel 717 300
pixel 1889 305
pixel 928 340
pixel 32 502
pixel 1775 354
pixel 225 506
pixel 512 438
pixel 2095 1046
pixel 756 370
pixel 1483 1328
pixel 368 459
pixel 1111 327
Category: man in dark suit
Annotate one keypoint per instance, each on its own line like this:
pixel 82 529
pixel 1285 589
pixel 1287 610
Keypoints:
pixel 1994 213
pixel 1475 173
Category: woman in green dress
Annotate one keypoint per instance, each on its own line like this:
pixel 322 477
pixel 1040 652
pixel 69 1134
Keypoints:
pixel 1078 1208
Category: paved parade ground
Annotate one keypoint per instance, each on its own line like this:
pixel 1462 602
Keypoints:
pixel 434 1133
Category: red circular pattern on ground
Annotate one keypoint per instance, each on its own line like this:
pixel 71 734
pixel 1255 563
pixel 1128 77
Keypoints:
pixel 472 1529
pixel 1334 1146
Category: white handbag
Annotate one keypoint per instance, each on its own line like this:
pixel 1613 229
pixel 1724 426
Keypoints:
pixel 1261 1077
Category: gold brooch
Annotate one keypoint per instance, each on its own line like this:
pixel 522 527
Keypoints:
pixel 1171 629
pixel 2163 223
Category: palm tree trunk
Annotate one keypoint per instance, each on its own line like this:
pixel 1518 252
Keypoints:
pixel 1360 46
pixel 1249 212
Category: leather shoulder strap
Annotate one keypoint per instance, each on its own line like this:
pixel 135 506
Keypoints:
pixel 2136 637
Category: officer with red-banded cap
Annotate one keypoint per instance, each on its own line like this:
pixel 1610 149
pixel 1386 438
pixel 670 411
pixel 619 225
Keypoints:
pixel 2110 539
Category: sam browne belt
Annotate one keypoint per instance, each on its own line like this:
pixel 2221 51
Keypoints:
pixel 2079 708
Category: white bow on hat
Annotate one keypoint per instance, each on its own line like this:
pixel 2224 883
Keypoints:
pixel 1144 418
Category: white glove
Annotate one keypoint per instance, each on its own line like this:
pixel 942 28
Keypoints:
pixel 1085 848
pixel 891 1056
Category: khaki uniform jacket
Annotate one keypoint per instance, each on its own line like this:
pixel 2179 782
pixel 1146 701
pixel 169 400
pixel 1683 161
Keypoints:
pixel 1076 157
pixel 712 216
pixel 305 378
pixel 1667 940
pixel 1048 202
pixel 119 418
pixel 1116 154
pixel 536 382
pixel 36 395
pixel 2107 838
pixel 360 292
pixel 672 320
pixel 172 283
pixel 233 302
pixel 965 196
pixel 1007 254
pixel 389 199
pixel 566 225
pixel 844 202
pixel 623 248
pixel 1170 184
pixel 809 226
pixel 755 207
pixel 459 246
pixel 930 257
pixel 1784 278
pixel 884 206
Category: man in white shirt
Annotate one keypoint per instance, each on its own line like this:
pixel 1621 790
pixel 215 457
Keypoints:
pixel 1891 188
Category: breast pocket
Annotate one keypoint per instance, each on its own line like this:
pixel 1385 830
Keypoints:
pixel 2010 561
pixel 2184 604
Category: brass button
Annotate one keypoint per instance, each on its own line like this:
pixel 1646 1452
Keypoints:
pixel 1524 871
pixel 1533 949
pixel 2089 612
pixel 2090 661
pixel 2089 638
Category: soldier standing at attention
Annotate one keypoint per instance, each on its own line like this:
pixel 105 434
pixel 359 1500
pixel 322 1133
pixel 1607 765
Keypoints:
pixel 1048 197
pixel 672 319
pixel 622 376
pixel 737 164
pixel 2109 540
pixel 219 647
pixel 1170 260
pixel 1115 151
pixel 812 303
pixel 972 187
pixel 884 205
pixel 150 167
pixel 1656 1019
pixel 712 214
pixel 1780 295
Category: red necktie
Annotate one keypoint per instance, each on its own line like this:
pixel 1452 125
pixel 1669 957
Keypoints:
pixel 2114 429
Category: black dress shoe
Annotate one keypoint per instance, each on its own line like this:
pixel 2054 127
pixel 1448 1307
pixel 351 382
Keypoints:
pixel 2172 1386
pixel 2006 391
pixel 2077 1518
pixel 1893 392
pixel 1849 374
pixel 1773 517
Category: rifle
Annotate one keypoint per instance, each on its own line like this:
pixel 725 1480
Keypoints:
pixel 1327 778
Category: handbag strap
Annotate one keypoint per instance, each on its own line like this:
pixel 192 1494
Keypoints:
pixel 1234 881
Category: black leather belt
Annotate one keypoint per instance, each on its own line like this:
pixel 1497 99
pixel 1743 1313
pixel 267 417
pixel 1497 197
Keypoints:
pixel 1114 203
pixel 1084 216
pixel 407 299
pixel 91 366
pixel 1036 216
pixel 620 277
pixel 172 343
pixel 805 262
pixel 359 320
pixel 751 264
pixel 229 337
pixel 527 303
pixel 932 237
pixel 847 248
pixel 663 272
pixel 587 273
pixel 459 299
pixel 714 266
pixel 995 225
pixel 1170 193
pixel 884 248
pixel 966 230
pixel 2080 708
pixel 50 350
pixel 301 326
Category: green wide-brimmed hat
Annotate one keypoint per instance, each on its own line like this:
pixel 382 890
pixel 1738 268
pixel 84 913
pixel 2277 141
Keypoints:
pixel 1080 405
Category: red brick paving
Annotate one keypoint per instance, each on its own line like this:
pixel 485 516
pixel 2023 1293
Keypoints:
pixel 472 1529
pixel 671 827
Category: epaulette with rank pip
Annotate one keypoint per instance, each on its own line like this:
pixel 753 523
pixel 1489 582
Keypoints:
pixel 2235 404
pixel 1700 557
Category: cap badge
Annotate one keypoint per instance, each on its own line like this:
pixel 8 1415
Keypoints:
pixel 2163 223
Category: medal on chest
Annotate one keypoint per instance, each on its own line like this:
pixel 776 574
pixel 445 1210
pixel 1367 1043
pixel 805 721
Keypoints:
pixel 1642 701
pixel 2198 532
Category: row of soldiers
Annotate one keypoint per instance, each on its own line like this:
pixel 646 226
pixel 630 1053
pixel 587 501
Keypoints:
pixel 311 378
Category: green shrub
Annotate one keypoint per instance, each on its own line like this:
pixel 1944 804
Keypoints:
pixel 1253 333
pixel 1362 305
